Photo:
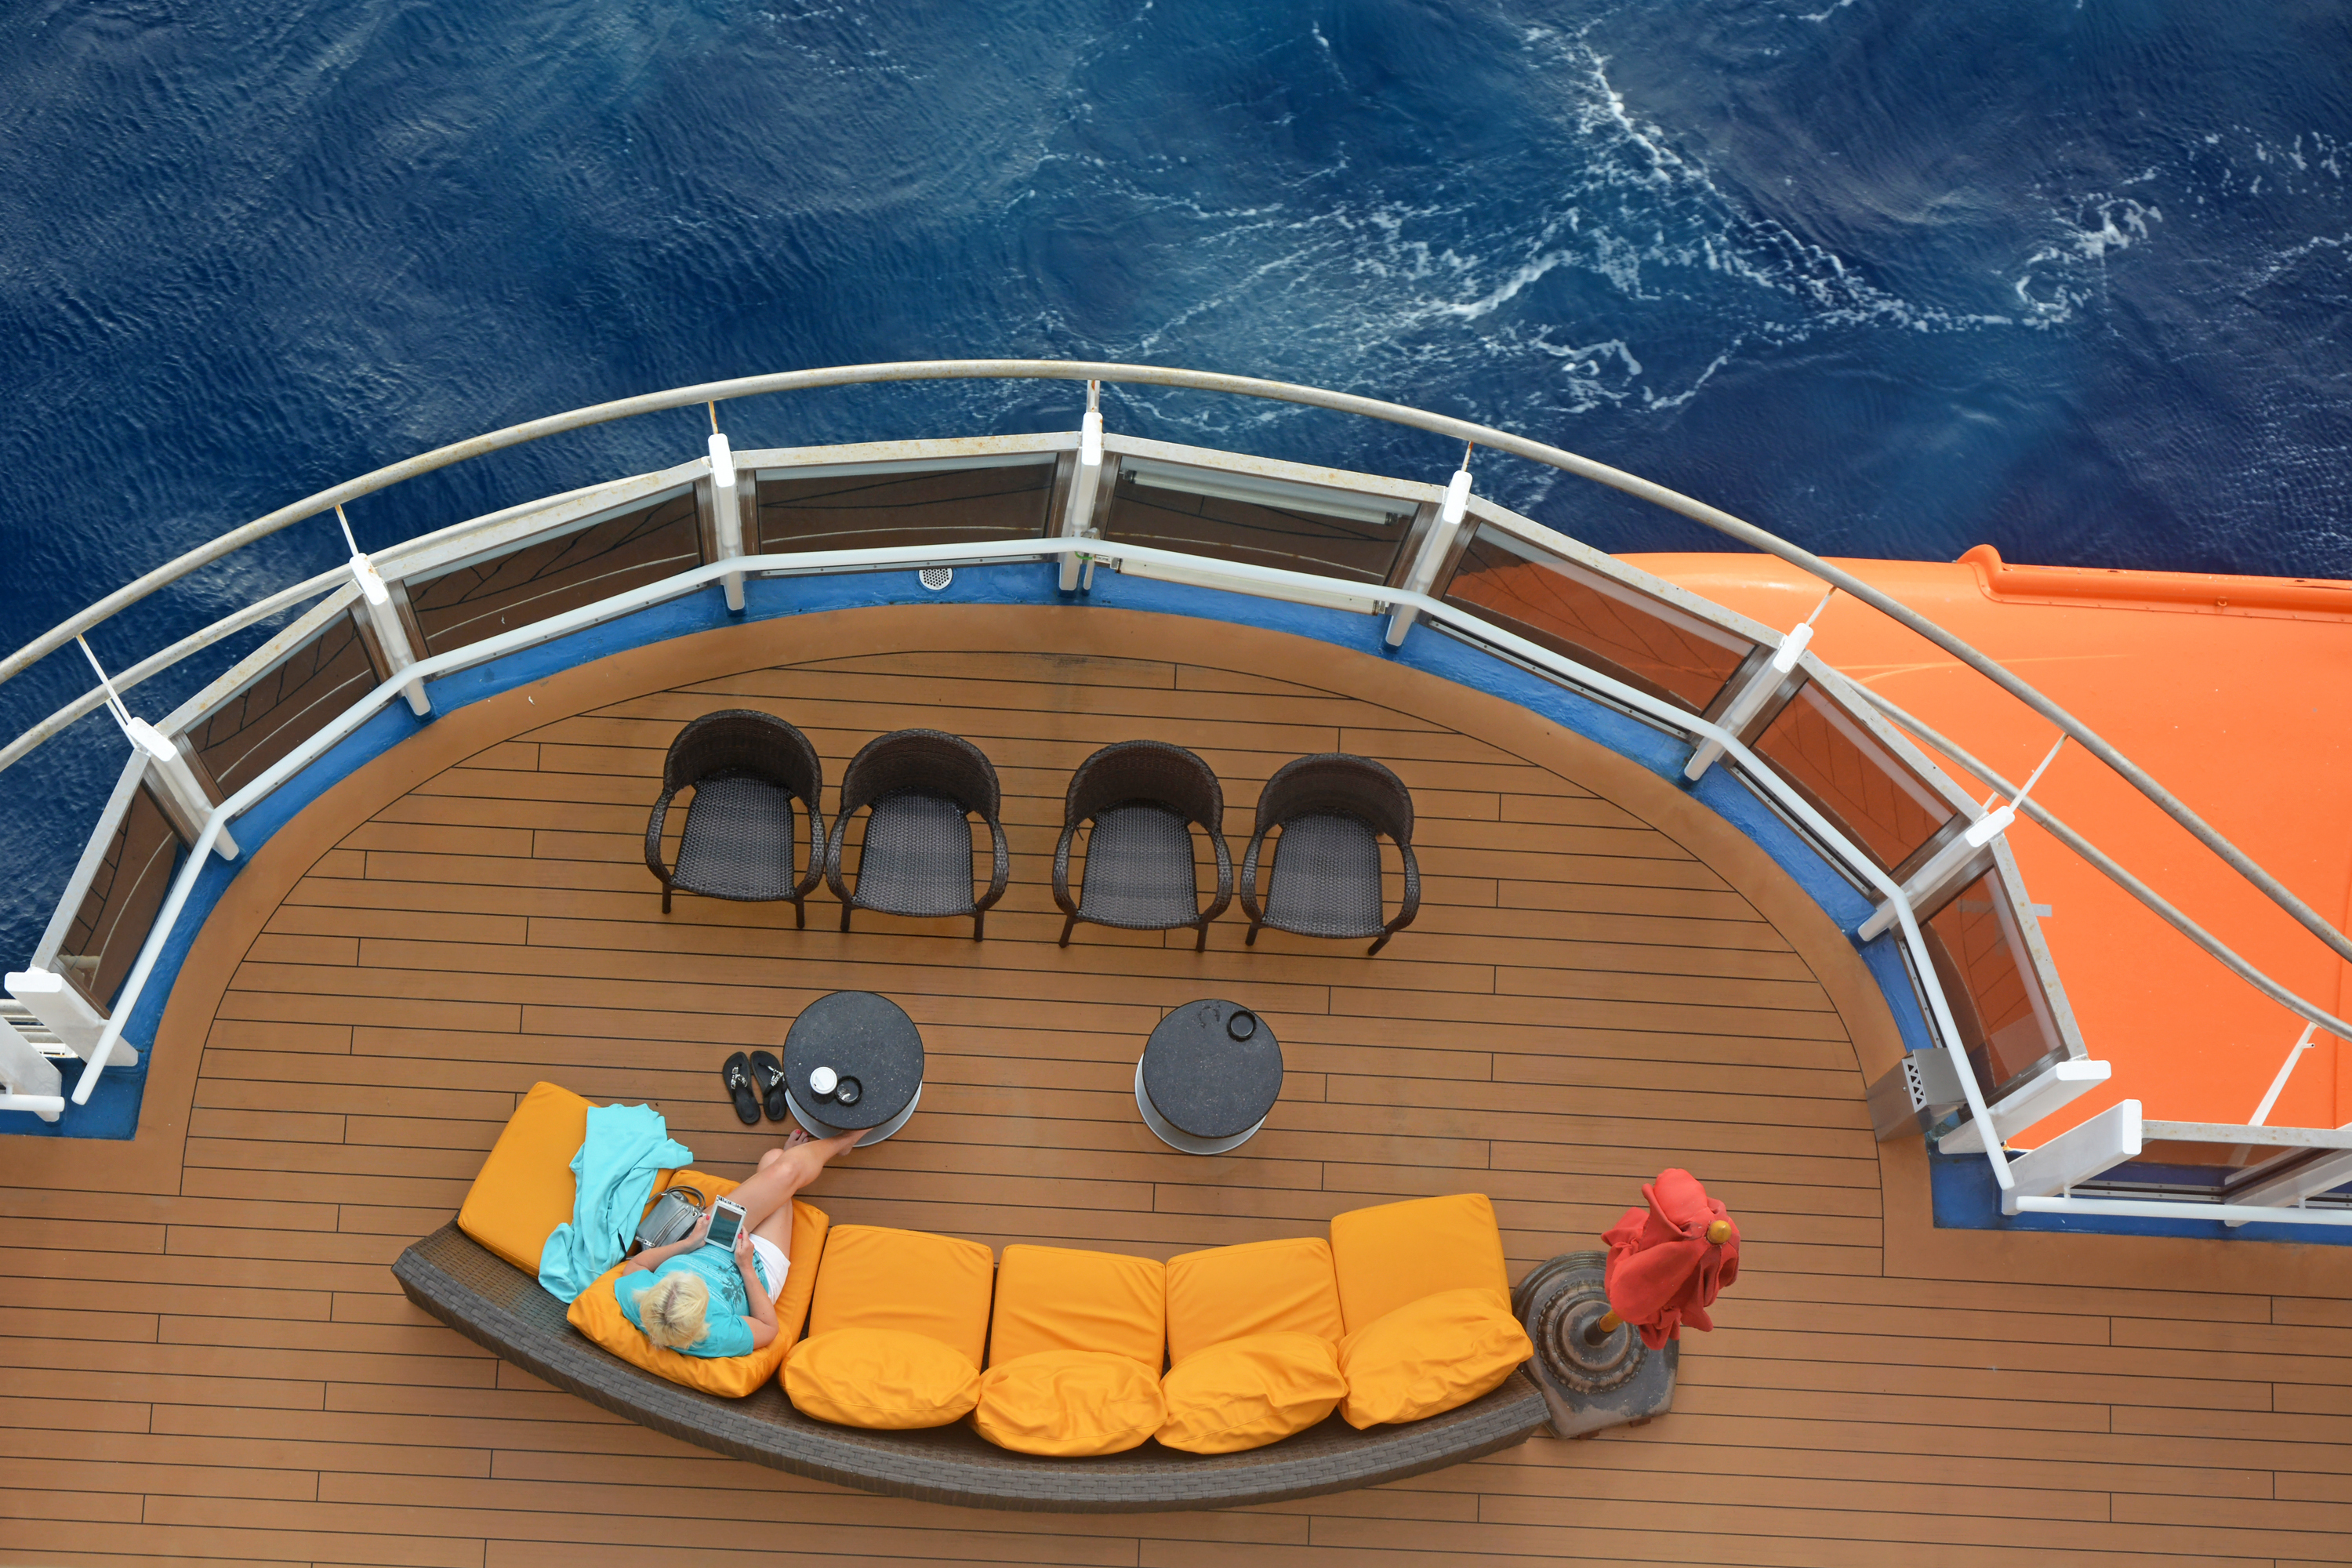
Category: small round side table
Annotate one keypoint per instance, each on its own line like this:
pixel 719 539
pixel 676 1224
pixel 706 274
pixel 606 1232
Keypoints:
pixel 852 1062
pixel 1208 1078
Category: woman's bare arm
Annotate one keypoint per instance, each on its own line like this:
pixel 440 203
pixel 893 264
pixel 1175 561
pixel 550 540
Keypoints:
pixel 762 1317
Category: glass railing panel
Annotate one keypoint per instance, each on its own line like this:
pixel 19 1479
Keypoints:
pixel 904 503
pixel 2005 1021
pixel 1258 521
pixel 486 595
pixel 284 706
pixel 1605 625
pixel 1850 777
pixel 102 943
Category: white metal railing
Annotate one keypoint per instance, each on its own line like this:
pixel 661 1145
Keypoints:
pixel 520 525
pixel 1267 582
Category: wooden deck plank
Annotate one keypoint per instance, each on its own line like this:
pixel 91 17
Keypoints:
pixel 1589 996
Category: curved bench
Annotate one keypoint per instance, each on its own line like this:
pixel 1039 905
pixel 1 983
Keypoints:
pixel 504 1310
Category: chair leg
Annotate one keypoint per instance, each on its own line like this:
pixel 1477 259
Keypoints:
pixel 1069 923
pixel 1201 942
pixel 1249 941
pixel 844 915
pixel 979 924
pixel 665 897
pixel 1380 944
pixel 800 915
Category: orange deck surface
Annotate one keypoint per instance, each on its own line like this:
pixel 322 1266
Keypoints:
pixel 2234 693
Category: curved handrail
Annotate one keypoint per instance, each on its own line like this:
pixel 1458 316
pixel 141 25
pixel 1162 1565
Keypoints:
pixel 1535 451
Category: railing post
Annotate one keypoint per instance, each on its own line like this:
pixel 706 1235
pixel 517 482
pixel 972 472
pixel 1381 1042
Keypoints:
pixel 727 516
pixel 1433 549
pixel 65 1013
pixel 1764 681
pixel 1948 863
pixel 1079 511
pixel 185 800
pixel 390 634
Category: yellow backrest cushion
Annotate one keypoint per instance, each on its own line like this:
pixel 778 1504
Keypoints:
pixel 1429 1356
pixel 1069 1404
pixel 1284 1287
pixel 884 1378
pixel 1247 1392
pixel 907 1281
pixel 1397 1253
pixel 1061 1299
pixel 524 1190
pixel 597 1314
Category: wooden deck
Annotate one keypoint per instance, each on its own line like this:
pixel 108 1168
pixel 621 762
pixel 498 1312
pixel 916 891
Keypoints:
pixel 208 1357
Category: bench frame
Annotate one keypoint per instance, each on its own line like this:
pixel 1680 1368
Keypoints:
pixel 502 1309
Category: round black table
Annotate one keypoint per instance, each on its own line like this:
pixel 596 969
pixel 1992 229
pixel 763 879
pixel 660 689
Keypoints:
pixel 1208 1077
pixel 852 1062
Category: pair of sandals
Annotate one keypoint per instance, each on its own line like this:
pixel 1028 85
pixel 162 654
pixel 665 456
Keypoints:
pixel 754 1081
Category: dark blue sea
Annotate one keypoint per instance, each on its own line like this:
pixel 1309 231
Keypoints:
pixel 1888 279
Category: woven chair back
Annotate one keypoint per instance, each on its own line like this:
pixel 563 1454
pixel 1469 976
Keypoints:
pixel 745 741
pixel 1146 770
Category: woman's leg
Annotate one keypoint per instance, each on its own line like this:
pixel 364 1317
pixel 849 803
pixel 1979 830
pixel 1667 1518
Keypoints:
pixel 767 1197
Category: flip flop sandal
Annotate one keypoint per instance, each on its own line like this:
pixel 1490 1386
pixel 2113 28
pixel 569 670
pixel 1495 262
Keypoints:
pixel 768 1074
pixel 737 1076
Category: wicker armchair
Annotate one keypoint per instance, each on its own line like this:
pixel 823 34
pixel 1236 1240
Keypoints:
pixel 1325 875
pixel 1144 797
pixel 746 768
pixel 918 787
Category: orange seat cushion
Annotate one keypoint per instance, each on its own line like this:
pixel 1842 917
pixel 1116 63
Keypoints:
pixel 1429 1356
pixel 1068 1404
pixel 597 1313
pixel 1247 1392
pixel 1284 1287
pixel 1397 1253
pixel 525 1189
pixel 1061 1299
pixel 884 1378
pixel 906 1280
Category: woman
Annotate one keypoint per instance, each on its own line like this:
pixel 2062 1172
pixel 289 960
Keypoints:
pixel 711 1301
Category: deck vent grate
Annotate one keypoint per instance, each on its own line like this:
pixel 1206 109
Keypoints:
pixel 935 577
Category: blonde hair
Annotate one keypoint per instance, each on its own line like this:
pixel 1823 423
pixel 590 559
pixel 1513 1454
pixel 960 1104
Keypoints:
pixel 672 1309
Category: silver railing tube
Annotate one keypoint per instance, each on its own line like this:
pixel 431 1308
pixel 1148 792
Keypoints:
pixel 1559 457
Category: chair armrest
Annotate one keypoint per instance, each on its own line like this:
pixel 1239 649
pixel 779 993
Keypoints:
pixel 1411 905
pixel 833 847
pixel 1062 871
pixel 1224 876
pixel 807 884
pixel 1001 869
pixel 654 826
pixel 1248 881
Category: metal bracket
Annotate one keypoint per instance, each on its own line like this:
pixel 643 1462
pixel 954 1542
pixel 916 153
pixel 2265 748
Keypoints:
pixel 1763 681
pixel 1433 549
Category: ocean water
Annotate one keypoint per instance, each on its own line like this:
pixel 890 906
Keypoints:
pixel 1889 280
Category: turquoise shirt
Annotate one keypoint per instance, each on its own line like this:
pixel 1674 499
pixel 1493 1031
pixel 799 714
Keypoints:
pixel 726 1330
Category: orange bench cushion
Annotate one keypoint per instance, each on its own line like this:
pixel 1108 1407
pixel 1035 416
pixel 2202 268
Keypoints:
pixel 596 1312
pixel 1069 1404
pixel 525 1188
pixel 1061 1299
pixel 1397 1253
pixel 1246 1393
pixel 906 1280
pixel 1429 1356
pixel 884 1378
pixel 1284 1287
